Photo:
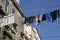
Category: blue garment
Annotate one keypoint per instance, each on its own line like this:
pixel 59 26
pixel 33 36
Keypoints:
pixel 48 17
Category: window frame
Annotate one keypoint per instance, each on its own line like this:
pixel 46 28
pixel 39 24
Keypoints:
pixel 13 10
pixel 6 8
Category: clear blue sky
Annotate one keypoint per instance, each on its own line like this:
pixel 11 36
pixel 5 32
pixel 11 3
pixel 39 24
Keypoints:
pixel 47 30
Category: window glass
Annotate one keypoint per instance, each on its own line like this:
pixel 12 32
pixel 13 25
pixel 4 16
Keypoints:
pixel 13 11
pixel 21 26
pixel 6 6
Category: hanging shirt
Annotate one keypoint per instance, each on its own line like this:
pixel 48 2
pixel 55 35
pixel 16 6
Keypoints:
pixel 48 17
pixel 54 16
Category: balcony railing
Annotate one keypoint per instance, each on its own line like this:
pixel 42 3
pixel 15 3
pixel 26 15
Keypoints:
pixel 11 19
pixel 7 33
pixel 8 20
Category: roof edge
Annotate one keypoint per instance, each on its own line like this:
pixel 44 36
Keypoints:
pixel 17 7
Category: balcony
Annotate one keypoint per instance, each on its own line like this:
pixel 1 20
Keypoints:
pixel 10 19
pixel 27 30
pixel 9 34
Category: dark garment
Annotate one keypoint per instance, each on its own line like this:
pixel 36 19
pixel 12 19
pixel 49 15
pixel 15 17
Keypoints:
pixel 31 19
pixel 44 17
pixel 54 15
pixel 58 13
pixel 38 19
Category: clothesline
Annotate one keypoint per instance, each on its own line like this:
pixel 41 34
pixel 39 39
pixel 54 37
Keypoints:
pixel 51 17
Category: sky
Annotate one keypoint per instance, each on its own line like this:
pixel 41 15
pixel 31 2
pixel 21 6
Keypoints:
pixel 47 30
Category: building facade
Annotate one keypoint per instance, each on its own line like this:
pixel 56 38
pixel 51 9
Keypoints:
pixel 18 1
pixel 10 18
pixel 30 33
pixel 12 25
pixel 35 34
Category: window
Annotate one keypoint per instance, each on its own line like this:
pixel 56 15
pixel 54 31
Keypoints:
pixel 6 5
pixel 26 30
pixel 21 26
pixel 13 11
